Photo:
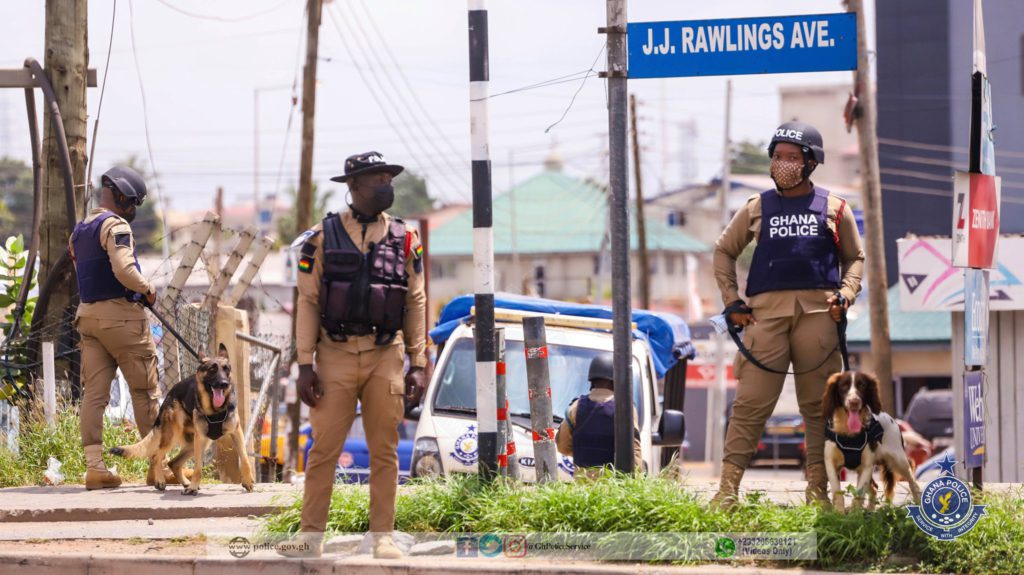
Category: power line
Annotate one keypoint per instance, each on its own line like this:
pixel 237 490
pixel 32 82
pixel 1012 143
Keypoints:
pixel 221 18
pixel 145 110
pixel 295 101
pixel 384 110
pixel 578 90
pixel 99 107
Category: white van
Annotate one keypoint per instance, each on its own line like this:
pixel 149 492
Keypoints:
pixel 446 438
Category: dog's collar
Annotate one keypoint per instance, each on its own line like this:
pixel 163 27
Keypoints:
pixel 223 417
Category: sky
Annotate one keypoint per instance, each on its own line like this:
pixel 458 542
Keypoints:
pixel 393 77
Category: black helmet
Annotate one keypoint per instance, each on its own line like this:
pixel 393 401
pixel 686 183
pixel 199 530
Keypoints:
pixel 601 367
pixel 127 181
pixel 804 135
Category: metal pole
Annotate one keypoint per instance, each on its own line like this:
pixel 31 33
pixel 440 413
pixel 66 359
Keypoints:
pixel 641 229
pixel 255 154
pixel 619 212
pixel 508 465
pixel 539 384
pixel 483 241
pixel 517 272
pixel 716 415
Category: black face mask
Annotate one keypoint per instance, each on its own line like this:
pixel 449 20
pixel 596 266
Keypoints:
pixel 383 198
pixel 128 206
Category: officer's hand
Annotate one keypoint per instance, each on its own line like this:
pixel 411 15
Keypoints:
pixel 150 299
pixel 836 308
pixel 742 319
pixel 308 385
pixel 415 385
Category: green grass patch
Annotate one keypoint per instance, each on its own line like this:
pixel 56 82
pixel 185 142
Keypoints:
pixel 615 503
pixel 37 442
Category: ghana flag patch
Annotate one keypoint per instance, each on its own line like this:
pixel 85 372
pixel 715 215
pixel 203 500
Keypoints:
pixel 305 264
pixel 418 251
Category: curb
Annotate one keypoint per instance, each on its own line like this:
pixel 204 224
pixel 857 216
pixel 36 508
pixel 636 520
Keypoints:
pixel 131 513
pixel 54 564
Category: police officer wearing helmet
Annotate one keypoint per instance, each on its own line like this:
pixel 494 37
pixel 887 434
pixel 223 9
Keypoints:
pixel 361 312
pixel 805 272
pixel 587 432
pixel 111 321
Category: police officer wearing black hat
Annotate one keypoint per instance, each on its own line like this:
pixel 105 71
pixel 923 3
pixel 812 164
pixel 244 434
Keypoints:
pixel 805 272
pixel 111 321
pixel 361 312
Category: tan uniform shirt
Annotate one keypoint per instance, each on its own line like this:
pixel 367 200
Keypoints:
pixel 122 260
pixel 745 227
pixel 307 324
pixel 563 437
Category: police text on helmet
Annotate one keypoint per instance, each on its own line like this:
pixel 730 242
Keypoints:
pixel 794 134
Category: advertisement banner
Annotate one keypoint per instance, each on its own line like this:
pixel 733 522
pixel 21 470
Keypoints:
pixel 930 282
pixel 975 220
pixel 974 419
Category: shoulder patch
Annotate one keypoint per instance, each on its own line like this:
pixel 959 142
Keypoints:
pixel 123 239
pixel 306 235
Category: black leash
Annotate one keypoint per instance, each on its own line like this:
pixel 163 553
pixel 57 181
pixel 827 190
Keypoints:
pixel 734 333
pixel 137 298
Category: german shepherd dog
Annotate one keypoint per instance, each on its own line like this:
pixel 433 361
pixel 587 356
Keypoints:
pixel 196 412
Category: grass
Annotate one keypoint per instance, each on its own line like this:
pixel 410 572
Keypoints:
pixel 37 442
pixel 861 541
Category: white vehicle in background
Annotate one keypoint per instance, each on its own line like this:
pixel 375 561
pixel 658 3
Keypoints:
pixel 446 437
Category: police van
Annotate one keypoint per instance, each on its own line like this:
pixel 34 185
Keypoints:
pixel 446 436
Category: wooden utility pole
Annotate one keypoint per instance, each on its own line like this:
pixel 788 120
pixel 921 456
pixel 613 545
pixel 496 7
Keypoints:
pixel 715 440
pixel 641 231
pixel 871 187
pixel 66 63
pixel 305 199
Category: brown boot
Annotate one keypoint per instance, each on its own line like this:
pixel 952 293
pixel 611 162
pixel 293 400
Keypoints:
pixel 384 548
pixel 728 491
pixel 101 479
pixel 817 485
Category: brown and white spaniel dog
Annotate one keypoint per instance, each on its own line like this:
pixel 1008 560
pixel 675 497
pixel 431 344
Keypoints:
pixel 859 436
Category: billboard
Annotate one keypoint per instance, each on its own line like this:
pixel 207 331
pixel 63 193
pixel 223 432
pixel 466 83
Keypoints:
pixel 928 280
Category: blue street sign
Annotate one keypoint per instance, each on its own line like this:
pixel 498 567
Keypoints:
pixel 768 45
pixel 974 420
pixel 976 317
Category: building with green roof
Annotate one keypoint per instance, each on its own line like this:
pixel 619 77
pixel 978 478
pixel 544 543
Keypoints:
pixel 550 232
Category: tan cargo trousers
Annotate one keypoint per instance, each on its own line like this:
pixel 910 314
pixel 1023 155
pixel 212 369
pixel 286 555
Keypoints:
pixel 373 378
pixel 108 344
pixel 803 340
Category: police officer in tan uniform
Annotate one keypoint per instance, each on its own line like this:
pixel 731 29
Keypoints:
pixel 111 321
pixel 361 312
pixel 805 272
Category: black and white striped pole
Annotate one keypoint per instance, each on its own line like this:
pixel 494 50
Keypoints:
pixel 483 243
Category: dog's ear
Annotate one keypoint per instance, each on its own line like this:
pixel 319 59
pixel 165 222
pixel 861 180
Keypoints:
pixel 830 400
pixel 872 394
pixel 222 351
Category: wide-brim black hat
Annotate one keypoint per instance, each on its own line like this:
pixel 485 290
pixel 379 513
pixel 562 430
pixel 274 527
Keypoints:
pixel 365 163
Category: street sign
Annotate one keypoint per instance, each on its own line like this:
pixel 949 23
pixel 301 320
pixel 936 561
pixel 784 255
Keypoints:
pixel 976 310
pixel 974 420
pixel 766 45
pixel 976 200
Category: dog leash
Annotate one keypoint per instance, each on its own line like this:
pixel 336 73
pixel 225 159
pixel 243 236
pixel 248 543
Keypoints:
pixel 734 333
pixel 137 298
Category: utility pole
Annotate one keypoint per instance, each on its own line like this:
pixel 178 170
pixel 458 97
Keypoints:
pixel 305 199
pixel 641 230
pixel 483 242
pixel 517 272
pixel 618 180
pixel 716 414
pixel 66 63
pixel 218 238
pixel 878 304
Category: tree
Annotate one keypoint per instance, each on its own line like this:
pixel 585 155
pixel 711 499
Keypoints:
pixel 411 197
pixel 750 158
pixel 15 198
pixel 148 227
pixel 286 224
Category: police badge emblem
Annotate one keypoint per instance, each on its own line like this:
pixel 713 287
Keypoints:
pixel 566 465
pixel 466 447
pixel 947 509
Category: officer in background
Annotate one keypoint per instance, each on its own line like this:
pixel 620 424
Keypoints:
pixel 361 311
pixel 111 321
pixel 587 432
pixel 805 272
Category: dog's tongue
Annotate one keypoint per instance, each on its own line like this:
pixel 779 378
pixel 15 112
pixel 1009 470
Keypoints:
pixel 853 421
pixel 218 397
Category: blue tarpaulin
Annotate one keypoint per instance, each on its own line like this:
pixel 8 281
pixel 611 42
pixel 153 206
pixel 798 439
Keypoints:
pixel 667 334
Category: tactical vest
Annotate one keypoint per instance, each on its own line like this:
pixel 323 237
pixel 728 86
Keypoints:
pixel 593 437
pixel 795 249
pixel 362 293
pixel 96 279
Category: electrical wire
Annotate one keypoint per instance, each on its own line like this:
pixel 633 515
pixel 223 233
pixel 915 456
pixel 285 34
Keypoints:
pixel 578 90
pixel 99 107
pixel 574 77
pixel 400 96
pixel 220 18
pixel 295 100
